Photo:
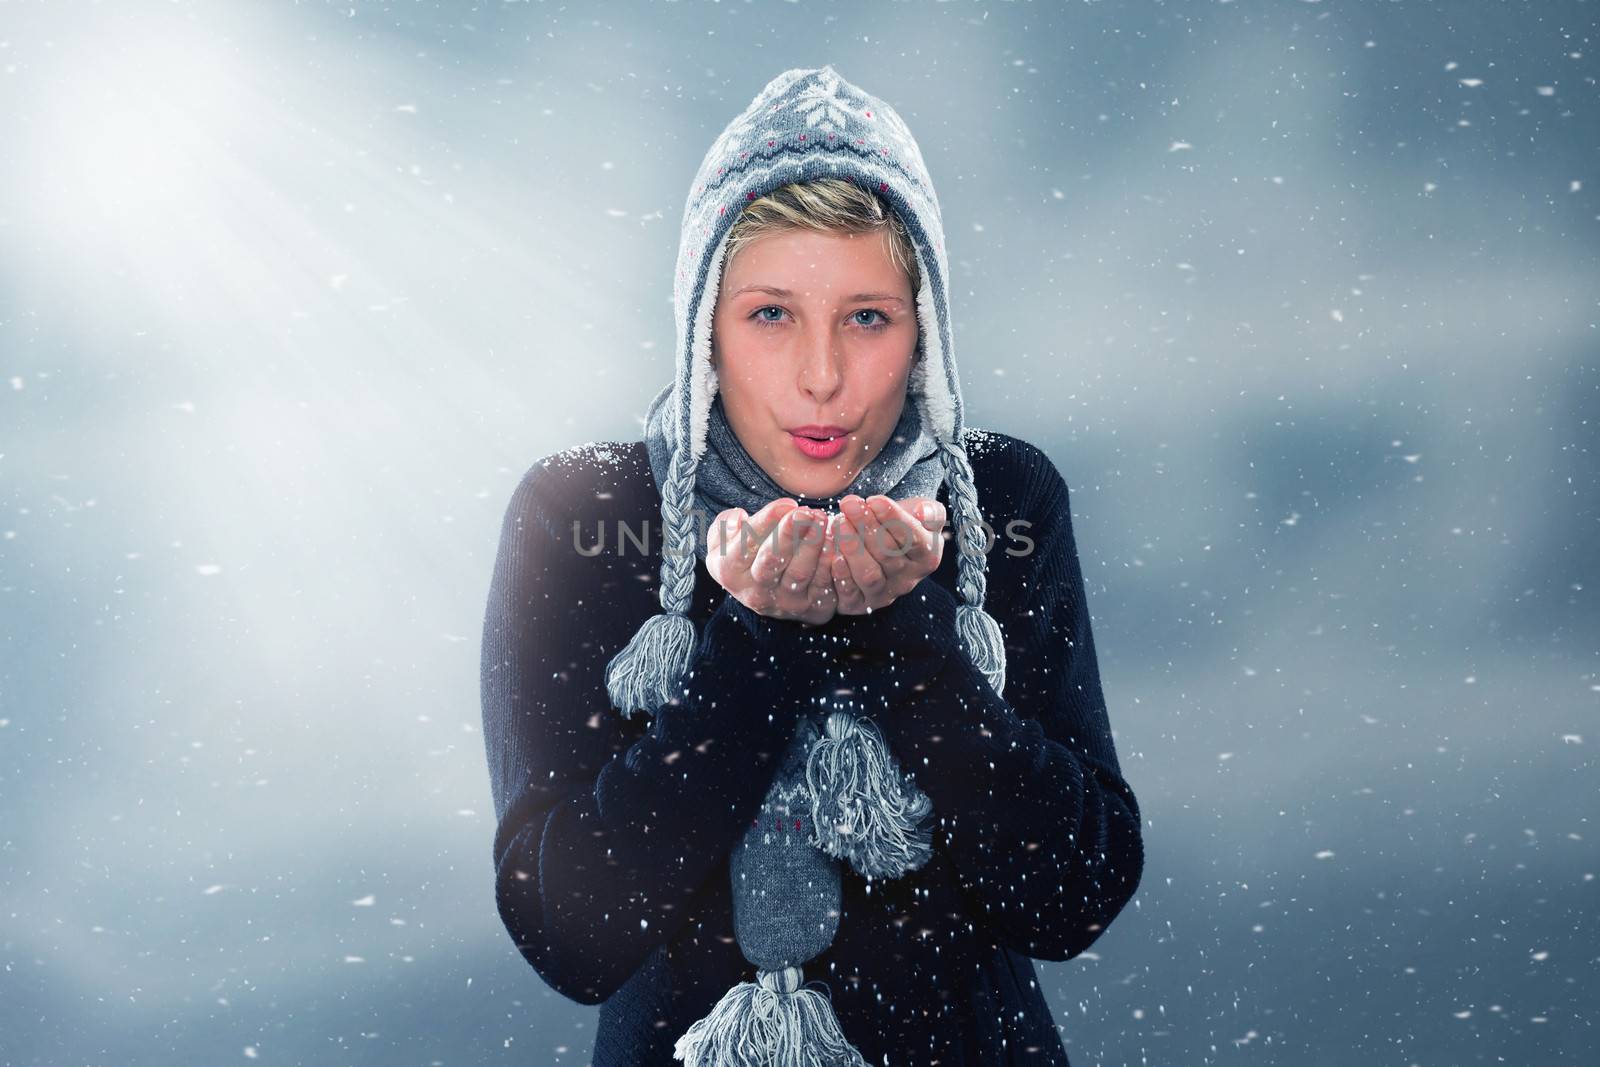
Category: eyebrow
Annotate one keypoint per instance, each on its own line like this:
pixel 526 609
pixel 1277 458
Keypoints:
pixel 772 290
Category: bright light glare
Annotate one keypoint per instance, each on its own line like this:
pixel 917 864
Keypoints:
pixel 131 138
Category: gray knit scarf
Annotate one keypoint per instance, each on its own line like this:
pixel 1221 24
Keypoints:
pixel 839 795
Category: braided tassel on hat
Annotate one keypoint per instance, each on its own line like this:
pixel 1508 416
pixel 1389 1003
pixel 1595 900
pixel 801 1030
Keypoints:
pixel 649 671
pixel 980 634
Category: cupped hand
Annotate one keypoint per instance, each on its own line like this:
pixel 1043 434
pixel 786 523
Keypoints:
pixel 777 562
pixel 883 548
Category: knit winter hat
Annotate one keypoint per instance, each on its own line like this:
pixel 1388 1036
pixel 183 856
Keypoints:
pixel 806 124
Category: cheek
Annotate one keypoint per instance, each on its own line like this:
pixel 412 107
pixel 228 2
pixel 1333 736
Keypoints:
pixel 744 374
pixel 729 353
pixel 890 375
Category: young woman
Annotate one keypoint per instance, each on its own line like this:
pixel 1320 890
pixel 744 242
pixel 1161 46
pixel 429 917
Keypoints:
pixel 781 778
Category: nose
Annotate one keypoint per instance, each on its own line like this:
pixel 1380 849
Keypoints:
pixel 821 366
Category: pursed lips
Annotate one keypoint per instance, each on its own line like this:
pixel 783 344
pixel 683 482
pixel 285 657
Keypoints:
pixel 819 433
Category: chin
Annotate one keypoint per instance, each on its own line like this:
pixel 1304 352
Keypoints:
pixel 812 490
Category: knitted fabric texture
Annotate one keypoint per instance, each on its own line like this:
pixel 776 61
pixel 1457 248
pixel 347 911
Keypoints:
pixel 840 796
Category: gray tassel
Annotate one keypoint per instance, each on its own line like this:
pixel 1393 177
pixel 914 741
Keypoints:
pixel 865 811
pixel 984 644
pixel 771 1022
pixel 646 674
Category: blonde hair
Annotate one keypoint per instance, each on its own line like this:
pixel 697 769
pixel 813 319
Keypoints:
pixel 828 205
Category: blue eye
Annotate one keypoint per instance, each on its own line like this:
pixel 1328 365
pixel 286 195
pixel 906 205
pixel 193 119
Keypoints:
pixel 761 319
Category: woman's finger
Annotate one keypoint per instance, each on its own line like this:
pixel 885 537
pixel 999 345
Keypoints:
pixel 743 540
pixel 723 541
pixel 808 532
pixel 905 536
pixel 775 552
pixel 865 569
pixel 787 567
pixel 933 516
pixel 881 544
pixel 857 576
pixel 822 600
pixel 719 534
pixel 847 595
pixel 866 523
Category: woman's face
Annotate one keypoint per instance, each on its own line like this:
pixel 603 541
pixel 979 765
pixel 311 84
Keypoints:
pixel 814 336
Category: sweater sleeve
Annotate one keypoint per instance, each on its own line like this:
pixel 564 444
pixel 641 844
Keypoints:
pixel 607 829
pixel 1043 831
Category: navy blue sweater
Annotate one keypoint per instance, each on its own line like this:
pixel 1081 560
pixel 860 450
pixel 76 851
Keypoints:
pixel 613 834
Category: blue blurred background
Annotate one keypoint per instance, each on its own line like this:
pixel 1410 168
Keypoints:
pixel 1301 298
